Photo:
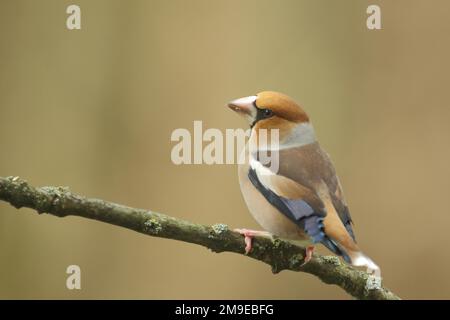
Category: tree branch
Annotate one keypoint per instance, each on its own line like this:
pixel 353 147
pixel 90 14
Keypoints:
pixel 279 254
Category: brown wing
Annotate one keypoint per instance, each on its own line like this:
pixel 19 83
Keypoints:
pixel 310 166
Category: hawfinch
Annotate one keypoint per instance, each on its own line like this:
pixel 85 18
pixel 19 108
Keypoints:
pixel 301 198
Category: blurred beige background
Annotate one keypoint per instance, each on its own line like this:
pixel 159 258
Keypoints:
pixel 94 109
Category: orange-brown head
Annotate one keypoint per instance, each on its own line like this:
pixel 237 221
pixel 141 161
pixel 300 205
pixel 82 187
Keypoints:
pixel 273 110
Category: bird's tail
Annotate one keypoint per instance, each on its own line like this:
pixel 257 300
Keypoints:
pixel 359 259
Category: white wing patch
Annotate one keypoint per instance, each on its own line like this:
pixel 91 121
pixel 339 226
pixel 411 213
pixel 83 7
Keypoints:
pixel 263 173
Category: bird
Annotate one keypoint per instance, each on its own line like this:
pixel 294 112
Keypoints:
pixel 300 199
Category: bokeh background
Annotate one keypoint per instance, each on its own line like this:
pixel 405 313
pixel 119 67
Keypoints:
pixel 94 109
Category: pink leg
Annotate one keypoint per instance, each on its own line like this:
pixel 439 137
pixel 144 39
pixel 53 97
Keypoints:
pixel 308 254
pixel 249 234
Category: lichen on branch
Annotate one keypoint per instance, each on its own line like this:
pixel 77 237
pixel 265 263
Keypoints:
pixel 278 253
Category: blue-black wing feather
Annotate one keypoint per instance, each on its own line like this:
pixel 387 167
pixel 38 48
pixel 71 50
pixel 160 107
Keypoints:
pixel 301 213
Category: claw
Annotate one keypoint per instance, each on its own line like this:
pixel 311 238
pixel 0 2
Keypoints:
pixel 308 254
pixel 248 243
pixel 249 234
pixel 248 238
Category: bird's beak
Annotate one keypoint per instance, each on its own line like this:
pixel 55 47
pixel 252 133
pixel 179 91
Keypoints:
pixel 245 107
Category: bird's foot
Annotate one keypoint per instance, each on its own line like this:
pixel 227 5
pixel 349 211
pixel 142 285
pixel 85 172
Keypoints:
pixel 308 254
pixel 249 234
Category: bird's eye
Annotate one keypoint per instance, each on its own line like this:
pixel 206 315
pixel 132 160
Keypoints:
pixel 267 113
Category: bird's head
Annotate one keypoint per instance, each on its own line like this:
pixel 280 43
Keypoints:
pixel 273 110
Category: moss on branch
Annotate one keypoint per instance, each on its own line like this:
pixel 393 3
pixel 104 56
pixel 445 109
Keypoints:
pixel 279 254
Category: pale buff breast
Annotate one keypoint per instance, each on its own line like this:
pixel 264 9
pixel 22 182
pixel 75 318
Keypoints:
pixel 264 213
